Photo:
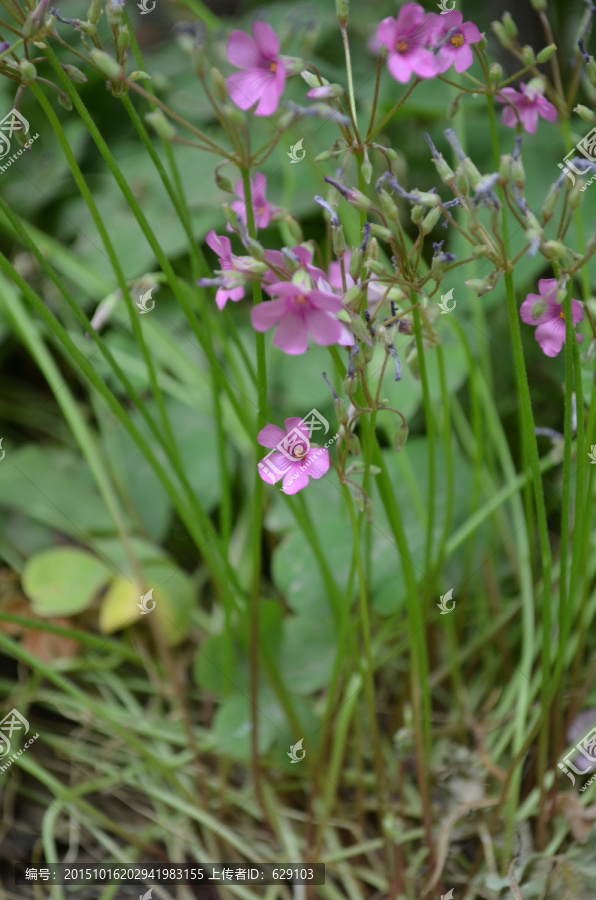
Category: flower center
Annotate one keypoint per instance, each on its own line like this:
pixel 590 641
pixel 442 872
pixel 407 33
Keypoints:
pixel 562 315
pixel 457 40
pixel 273 67
pixel 401 46
pixel 300 452
pixel 300 299
pixel 261 210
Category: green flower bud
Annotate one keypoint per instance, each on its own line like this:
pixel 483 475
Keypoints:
pixel 123 39
pixel 114 14
pixel 312 80
pixel 381 232
pixel 162 126
pixel 426 198
pixel 360 332
pixel 479 251
pixel 462 183
pixel 445 172
pixel 28 71
pixel 591 70
pixel 65 101
pixel 376 267
pixel 539 5
pixel 538 309
pixel 366 170
pixel 518 173
pixel 548 208
pixel 294 229
pixel 139 75
pixel 430 220
pixel 339 241
pixel 388 204
pixel 495 73
pixel 107 65
pixel 474 176
pixel 502 35
pixel 400 437
pixel 342 10
pixel 373 249
pixel 350 385
pixel 586 114
pixel 528 55
pixel 254 248
pixel 219 84
pixel 417 214
pixel 324 156
pixel 479 285
pixel 553 250
pixel 546 54
pixel 353 444
pixel 505 168
pixel 94 13
pixel 359 200
pixel 509 25
pixel 75 74
pixel 356 261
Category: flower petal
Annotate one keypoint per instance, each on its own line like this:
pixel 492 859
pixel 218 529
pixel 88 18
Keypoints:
pixel 291 335
pixel 399 66
pixel 295 481
pixel 471 33
pixel 546 287
pixel 246 88
pixel 323 328
pixel 266 39
pixel 324 300
pixel 525 310
pixel 424 64
pixel 464 58
pixel 243 51
pixel 387 32
pixel 410 17
pixel 270 97
pixel 266 315
pixel 270 436
pixel 319 461
pixel 551 336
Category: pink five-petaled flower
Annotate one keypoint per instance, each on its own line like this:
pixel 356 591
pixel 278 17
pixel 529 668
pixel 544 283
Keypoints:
pixel 261 208
pixel 300 310
pixel 456 50
pixel 406 39
pixel 293 459
pixel 227 262
pixel 264 75
pixel 543 310
pixel 526 107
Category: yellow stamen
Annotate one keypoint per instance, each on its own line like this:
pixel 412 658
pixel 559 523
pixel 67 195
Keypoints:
pixel 300 299
pixel 273 67
pixel 457 40
pixel 561 315
pixel 401 46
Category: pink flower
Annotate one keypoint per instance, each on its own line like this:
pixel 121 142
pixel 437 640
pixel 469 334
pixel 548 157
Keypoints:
pixel 264 75
pixel 228 262
pixel 304 258
pixel 261 208
pixel 300 310
pixel 293 459
pixel 375 291
pixel 525 108
pixel 406 39
pixel 456 51
pixel 543 310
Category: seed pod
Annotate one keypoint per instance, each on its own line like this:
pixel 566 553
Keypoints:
pixel 546 54
pixel 107 65
pixel 161 125
pixel 509 25
pixel 400 437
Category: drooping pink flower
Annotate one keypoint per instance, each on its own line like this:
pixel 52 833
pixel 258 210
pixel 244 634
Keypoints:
pixel 261 208
pixel 303 257
pixel 456 51
pixel 407 38
pixel 263 76
pixel 293 457
pixel 298 311
pixel 543 310
pixel 228 263
pixel 525 107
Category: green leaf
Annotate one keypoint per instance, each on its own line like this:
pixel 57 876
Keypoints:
pixel 63 581
pixel 174 597
pixel 232 725
pixel 307 653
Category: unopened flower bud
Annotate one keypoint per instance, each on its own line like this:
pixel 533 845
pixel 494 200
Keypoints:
pixel 479 285
pixel 353 444
pixel 538 308
pixel 373 249
pixel 94 13
pixel 339 241
pixel 312 80
pixel 356 261
pixel 548 208
pixel 591 70
pixel 495 73
pixel 342 9
pixel 254 248
pixel 353 296
pixel 28 71
pixel 350 385
pixel 553 249
pixel 359 200
pixel 367 170
pixel 502 35
pixel 445 172
pixel 114 12
pixel 381 232
pixel 400 437
pixel 479 251
pixel 528 55
pixel 505 168
pixel 65 101
pixel 324 156
pixel 107 65
pixel 426 198
pixel 539 5
pixel 417 214
pixel 430 220
pixel 518 173
pixel 294 229
pixel 586 114
pixel 75 74
pixel 376 267
pixel 360 332
pixel 35 20
pixel 222 182
pixel 219 84
pixel 546 54
pixel 123 39
pixel 509 25
pixel 462 183
pixel 388 204
pixel 162 126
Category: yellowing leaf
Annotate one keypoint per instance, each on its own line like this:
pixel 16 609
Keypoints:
pixel 119 606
